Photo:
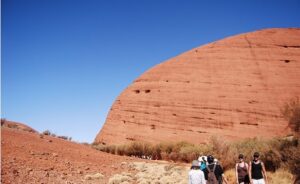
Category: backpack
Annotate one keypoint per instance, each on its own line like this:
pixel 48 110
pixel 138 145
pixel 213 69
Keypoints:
pixel 211 177
pixel 202 166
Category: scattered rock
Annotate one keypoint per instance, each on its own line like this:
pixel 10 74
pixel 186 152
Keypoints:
pixel 63 177
pixel 54 154
pixel 47 174
pixel 28 170
pixel 49 169
pixel 114 167
pixel 16 172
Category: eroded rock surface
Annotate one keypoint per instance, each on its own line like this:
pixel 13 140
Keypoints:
pixel 233 88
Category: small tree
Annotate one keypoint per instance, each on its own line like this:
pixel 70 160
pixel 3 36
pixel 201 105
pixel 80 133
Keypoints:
pixel 291 112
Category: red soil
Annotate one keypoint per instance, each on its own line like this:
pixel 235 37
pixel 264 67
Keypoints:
pixel 16 125
pixel 32 158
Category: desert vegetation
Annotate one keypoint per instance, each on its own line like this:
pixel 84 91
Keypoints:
pixel 48 133
pixel 280 155
pixel 276 153
pixel 291 112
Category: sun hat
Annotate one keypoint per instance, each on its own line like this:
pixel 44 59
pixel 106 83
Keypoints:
pixel 195 163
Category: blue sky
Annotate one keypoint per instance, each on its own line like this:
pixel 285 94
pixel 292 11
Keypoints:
pixel 64 62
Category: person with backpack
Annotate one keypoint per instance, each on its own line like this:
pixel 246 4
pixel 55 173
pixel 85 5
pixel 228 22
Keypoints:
pixel 214 172
pixel 202 160
pixel 257 171
pixel 241 171
pixel 196 176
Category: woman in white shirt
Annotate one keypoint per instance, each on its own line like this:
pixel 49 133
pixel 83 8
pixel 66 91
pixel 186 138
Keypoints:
pixel 196 176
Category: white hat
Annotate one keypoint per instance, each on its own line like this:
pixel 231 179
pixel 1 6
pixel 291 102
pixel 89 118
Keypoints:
pixel 195 163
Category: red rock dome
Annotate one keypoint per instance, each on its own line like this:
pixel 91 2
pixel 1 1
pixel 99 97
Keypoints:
pixel 232 88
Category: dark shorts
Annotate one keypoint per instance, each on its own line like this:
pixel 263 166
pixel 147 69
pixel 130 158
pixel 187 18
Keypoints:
pixel 245 179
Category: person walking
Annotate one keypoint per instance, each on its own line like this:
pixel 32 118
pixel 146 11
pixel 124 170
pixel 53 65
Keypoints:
pixel 213 172
pixel 202 162
pixel 257 171
pixel 241 171
pixel 196 176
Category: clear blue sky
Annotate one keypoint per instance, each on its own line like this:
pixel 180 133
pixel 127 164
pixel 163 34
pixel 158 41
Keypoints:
pixel 64 62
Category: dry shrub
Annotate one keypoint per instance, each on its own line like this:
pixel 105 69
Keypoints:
pixel 138 149
pixel 164 156
pixel 230 176
pixel 276 153
pixel 189 153
pixel 111 149
pixel 99 147
pixel 290 154
pixel 46 132
pixel 105 148
pixel 120 178
pixel 156 152
pixel 280 176
pixel 291 112
pixel 167 147
pixel 174 156
pixel 272 160
pixel 121 150
pixel 221 150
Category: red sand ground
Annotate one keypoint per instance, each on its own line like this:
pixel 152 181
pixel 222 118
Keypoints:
pixel 29 158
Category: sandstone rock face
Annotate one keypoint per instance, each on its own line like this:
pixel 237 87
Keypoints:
pixel 233 88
